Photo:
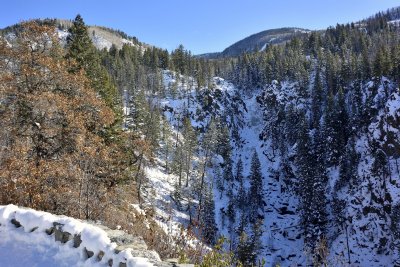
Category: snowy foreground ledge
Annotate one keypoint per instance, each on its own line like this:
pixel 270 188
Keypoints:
pixel 35 238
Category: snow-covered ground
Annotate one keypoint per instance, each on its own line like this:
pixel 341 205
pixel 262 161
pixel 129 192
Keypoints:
pixel 30 245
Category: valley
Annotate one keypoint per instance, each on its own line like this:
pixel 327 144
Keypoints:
pixel 282 150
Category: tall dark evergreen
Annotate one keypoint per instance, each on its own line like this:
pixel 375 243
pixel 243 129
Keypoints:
pixel 256 191
pixel 84 55
pixel 80 46
pixel 316 100
pixel 207 219
pixel 312 185
pixel 319 179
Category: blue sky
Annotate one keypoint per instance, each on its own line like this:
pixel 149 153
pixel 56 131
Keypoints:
pixel 200 25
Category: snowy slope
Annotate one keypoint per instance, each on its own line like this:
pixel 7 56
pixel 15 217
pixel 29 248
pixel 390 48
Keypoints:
pixel 281 238
pixel 283 241
pixel 101 39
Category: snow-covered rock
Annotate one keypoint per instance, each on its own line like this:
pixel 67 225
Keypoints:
pixel 35 238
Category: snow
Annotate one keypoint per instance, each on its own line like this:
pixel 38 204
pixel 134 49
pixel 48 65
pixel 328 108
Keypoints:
pixel 169 218
pixel 62 36
pixel 100 42
pixel 19 249
pixel 394 22
pixel 129 42
pixel 302 31
pixel 279 237
pixel 263 47
pixel 29 245
pixel 282 239
pixel 250 123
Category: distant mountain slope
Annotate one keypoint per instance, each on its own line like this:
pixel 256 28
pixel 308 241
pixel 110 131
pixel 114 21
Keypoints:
pixel 102 37
pixel 258 41
pixel 261 39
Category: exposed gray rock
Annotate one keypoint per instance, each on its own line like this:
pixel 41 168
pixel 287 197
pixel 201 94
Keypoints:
pixel 149 254
pixel 50 231
pixel 60 235
pixel 16 223
pixel 100 255
pixel 77 241
pixel 121 238
pixel 174 263
pixel 89 253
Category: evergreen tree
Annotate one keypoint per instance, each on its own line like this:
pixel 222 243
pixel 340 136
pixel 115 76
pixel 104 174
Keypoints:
pixel 256 193
pixel 305 172
pixel 250 245
pixel 239 171
pixel 316 101
pixel 80 47
pixel 189 147
pixel 83 55
pixel 207 219
pixel 225 150
pixel 336 123
pixel 244 252
pixel 208 147
pixel 312 183
pixel 319 181
pixel 242 192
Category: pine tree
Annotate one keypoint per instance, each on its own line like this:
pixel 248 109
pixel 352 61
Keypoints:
pixel 80 47
pixel 167 143
pixel 239 171
pixel 250 244
pixel 207 219
pixel 312 183
pixel 256 193
pixel 231 211
pixel 319 180
pixel 82 55
pixel 189 146
pixel 336 127
pixel 209 147
pixel 316 101
pixel 179 60
pixel 304 166
pixel 242 192
pixel 244 252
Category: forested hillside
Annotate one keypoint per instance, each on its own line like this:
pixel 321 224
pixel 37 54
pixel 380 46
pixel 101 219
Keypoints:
pixel 282 156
